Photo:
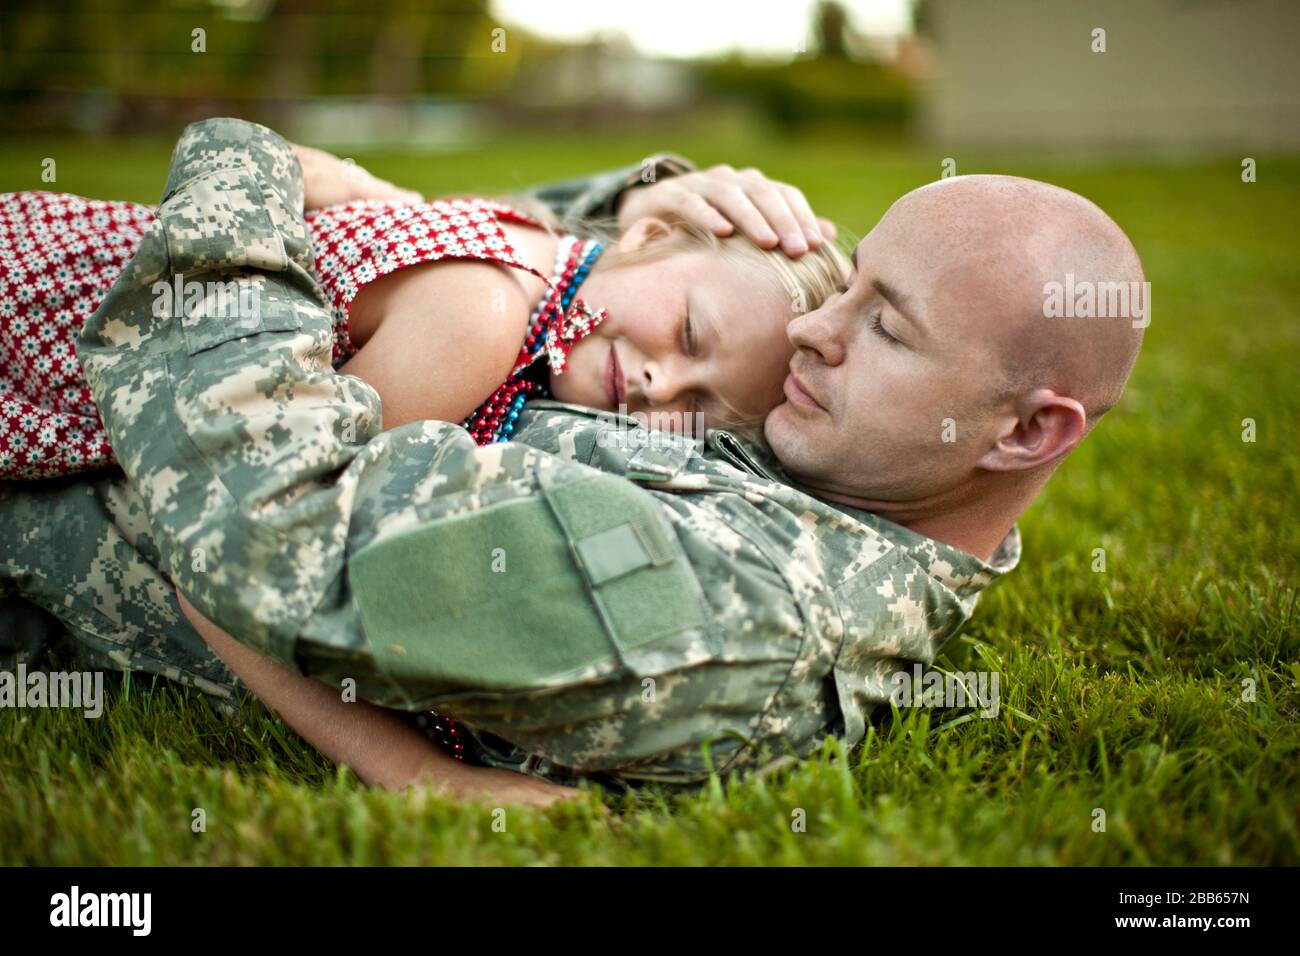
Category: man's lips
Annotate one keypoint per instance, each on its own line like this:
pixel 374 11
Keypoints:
pixel 615 387
pixel 798 395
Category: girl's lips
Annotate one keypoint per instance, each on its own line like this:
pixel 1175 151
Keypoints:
pixel 615 389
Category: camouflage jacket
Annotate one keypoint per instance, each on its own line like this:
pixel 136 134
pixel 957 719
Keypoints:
pixel 603 598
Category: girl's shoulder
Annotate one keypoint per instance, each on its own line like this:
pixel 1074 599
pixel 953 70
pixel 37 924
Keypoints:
pixel 435 339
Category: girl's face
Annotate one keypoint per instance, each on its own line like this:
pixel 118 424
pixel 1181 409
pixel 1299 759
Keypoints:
pixel 688 333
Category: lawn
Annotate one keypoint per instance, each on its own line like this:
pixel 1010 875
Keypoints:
pixel 1164 690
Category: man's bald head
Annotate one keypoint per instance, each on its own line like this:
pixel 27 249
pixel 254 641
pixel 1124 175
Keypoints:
pixel 940 374
pixel 1002 241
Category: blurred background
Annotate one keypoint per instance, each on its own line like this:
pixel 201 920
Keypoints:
pixel 448 76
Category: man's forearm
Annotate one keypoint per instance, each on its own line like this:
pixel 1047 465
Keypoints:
pixel 383 750
pixel 226 423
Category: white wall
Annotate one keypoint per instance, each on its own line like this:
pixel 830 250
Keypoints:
pixel 1176 73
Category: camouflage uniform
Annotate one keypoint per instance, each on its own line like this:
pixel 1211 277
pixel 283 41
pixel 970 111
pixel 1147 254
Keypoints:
pixel 591 598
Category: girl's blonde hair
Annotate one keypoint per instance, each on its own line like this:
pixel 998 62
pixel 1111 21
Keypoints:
pixel 807 281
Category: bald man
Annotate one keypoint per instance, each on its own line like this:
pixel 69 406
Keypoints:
pixel 591 599
pixel 936 391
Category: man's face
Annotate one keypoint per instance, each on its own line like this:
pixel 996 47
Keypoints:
pixel 887 399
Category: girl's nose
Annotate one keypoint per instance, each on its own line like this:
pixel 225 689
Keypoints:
pixel 661 383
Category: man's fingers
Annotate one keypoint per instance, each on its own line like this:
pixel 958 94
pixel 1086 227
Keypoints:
pixel 734 203
pixel 533 796
pixel 361 183
pixel 772 203
pixel 802 213
pixel 392 191
pixel 695 208
pixel 724 200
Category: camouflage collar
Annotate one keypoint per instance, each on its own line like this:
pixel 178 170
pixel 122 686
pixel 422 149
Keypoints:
pixel 961 572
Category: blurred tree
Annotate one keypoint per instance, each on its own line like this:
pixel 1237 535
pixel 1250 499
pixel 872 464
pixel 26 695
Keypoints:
pixel 840 84
pixel 831 27
pixel 395 65
pixel 291 29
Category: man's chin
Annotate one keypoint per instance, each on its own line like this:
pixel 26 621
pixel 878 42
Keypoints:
pixel 780 427
pixel 800 441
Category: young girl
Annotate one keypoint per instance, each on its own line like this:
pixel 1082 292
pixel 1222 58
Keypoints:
pixel 672 321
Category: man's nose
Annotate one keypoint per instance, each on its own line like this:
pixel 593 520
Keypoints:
pixel 821 331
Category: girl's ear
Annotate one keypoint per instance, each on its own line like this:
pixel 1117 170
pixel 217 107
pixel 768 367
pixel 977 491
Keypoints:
pixel 642 232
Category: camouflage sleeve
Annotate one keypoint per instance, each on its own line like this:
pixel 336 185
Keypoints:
pixel 597 196
pixel 231 144
pixel 209 361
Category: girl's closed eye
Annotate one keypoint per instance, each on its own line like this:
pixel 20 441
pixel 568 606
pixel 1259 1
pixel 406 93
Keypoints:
pixel 688 335
pixel 689 347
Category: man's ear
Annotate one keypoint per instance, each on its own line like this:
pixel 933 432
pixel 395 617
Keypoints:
pixel 1045 428
pixel 644 230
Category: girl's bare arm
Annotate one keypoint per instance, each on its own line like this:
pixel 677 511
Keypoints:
pixel 383 750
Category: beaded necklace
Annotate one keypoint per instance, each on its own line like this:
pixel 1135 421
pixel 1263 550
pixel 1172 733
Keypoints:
pixel 558 323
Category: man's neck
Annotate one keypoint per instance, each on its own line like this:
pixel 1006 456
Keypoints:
pixel 974 517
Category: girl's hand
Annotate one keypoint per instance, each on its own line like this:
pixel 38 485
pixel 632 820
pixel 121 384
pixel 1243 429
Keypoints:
pixel 328 181
pixel 721 199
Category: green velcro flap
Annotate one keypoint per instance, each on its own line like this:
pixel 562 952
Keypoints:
pixel 612 554
pixel 485 600
pixel 642 586
pixel 621 550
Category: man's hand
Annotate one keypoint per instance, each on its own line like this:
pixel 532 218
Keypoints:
pixel 328 181
pixel 721 199
pixel 496 787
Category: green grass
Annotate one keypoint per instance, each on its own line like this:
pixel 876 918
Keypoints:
pixel 1120 690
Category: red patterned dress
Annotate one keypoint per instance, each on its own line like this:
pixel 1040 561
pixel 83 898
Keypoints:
pixel 60 254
